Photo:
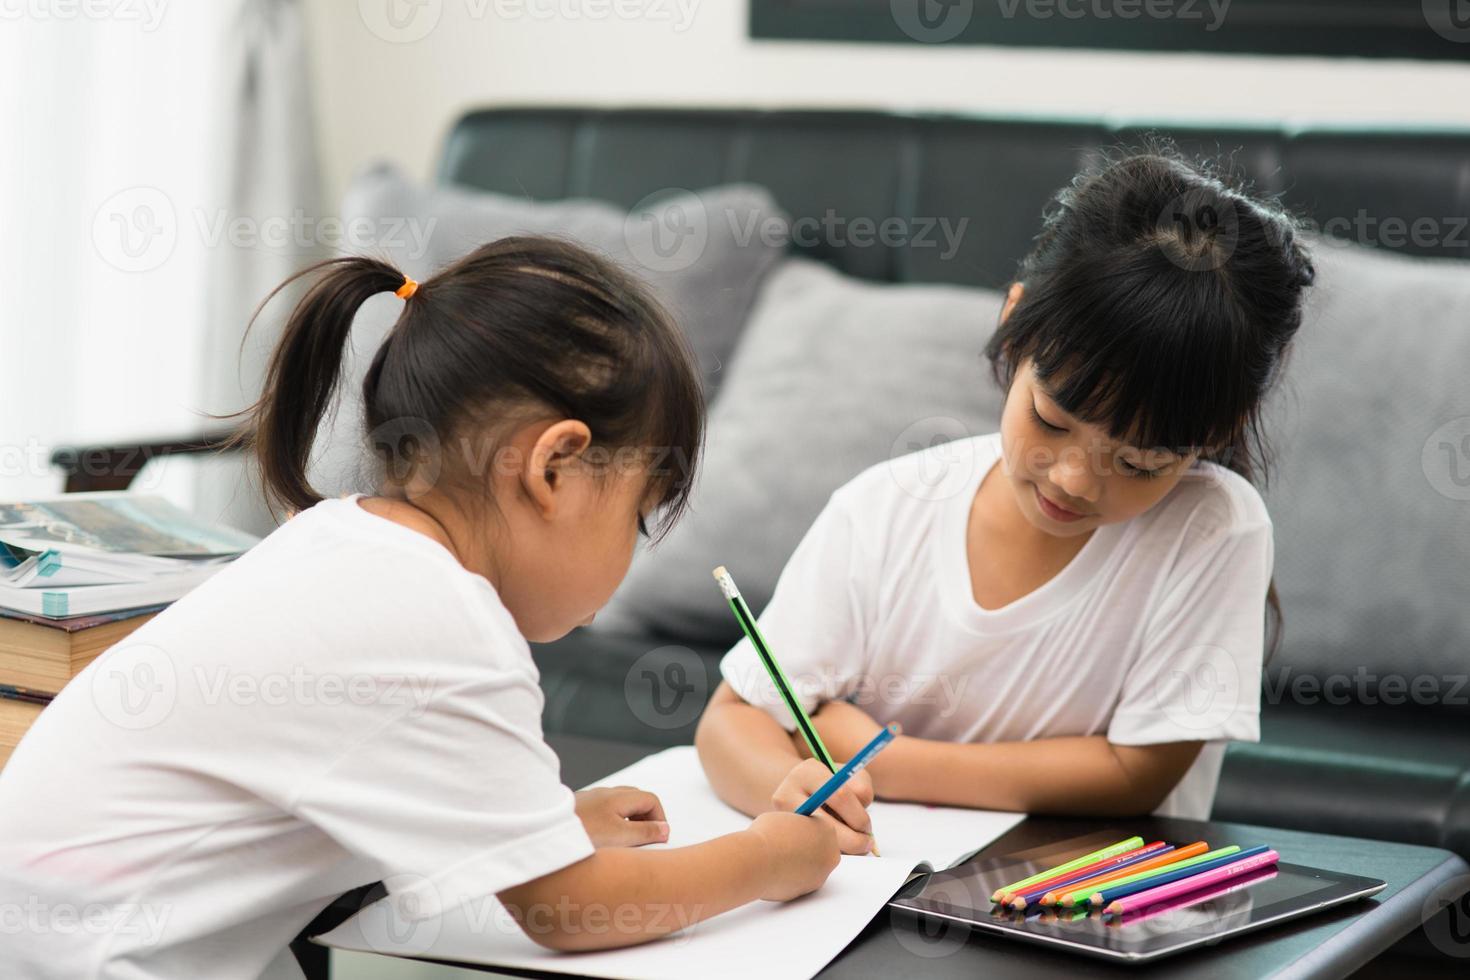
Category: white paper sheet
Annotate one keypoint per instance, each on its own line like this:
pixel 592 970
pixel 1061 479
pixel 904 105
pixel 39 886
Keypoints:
pixel 768 940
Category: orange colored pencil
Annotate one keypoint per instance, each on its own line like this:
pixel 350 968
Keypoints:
pixel 1178 854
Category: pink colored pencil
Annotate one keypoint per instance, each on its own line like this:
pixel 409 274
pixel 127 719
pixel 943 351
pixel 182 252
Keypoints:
pixel 1193 883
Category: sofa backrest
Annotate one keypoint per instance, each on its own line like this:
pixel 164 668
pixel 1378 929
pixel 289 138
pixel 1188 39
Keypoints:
pixel 1371 496
pixel 853 170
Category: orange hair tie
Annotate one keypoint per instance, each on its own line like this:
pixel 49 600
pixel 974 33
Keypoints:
pixel 408 288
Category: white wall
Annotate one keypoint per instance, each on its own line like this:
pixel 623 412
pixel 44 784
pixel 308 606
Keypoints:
pixel 396 98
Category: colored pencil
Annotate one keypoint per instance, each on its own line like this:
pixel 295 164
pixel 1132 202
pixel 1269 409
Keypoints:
pixel 1167 875
pixel 778 676
pixel 1197 897
pixel 1083 896
pixel 1129 859
pixel 1173 856
pixel 1112 850
pixel 854 765
pixel 29 695
pixel 1204 879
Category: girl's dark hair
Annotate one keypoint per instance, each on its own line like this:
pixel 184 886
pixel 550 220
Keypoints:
pixel 1159 301
pixel 520 327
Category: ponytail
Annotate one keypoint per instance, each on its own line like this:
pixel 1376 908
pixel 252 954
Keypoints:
pixel 522 323
pixel 304 371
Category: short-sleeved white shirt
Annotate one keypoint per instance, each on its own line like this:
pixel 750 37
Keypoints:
pixel 343 704
pixel 1153 633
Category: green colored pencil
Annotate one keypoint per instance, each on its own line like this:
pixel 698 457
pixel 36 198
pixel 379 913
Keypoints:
pixel 778 676
pixel 1112 850
pixel 1083 897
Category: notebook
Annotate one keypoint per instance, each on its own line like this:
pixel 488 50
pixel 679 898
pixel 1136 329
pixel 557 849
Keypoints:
pixel 773 941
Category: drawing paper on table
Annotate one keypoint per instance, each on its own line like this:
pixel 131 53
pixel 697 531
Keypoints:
pixel 770 940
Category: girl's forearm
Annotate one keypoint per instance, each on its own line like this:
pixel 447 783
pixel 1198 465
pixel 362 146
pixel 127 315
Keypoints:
pixel 624 896
pixel 1072 775
pixel 744 752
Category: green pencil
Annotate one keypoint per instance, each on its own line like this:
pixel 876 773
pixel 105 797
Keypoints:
pixel 778 677
pixel 1085 895
pixel 1112 850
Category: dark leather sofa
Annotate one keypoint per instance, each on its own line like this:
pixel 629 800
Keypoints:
pixel 1368 769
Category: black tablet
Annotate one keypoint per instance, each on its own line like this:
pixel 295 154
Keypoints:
pixel 1260 898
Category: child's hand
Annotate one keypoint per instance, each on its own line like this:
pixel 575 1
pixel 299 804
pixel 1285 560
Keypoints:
pixel 850 803
pixel 802 853
pixel 621 816
pixel 845 728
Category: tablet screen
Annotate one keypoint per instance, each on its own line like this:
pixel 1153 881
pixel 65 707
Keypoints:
pixel 1275 893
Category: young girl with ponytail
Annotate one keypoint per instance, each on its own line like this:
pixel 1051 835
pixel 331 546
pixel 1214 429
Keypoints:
pixel 354 700
pixel 1072 618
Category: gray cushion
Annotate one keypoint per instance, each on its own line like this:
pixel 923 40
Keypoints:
pixel 833 375
pixel 1370 494
pixel 696 251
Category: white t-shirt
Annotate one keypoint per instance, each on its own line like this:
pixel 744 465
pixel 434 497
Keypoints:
pixel 343 704
pixel 1153 633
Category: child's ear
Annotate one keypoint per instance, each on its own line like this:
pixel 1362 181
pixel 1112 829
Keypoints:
pixel 557 450
pixel 1013 296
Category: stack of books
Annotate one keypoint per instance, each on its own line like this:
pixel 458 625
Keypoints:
pixel 81 572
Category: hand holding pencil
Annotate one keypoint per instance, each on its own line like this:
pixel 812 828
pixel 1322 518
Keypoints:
pixel 846 809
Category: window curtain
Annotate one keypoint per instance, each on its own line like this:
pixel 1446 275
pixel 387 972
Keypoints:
pixel 147 150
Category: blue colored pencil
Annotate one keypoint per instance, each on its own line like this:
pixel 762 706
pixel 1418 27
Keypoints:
pixel 854 765
pixel 1106 895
